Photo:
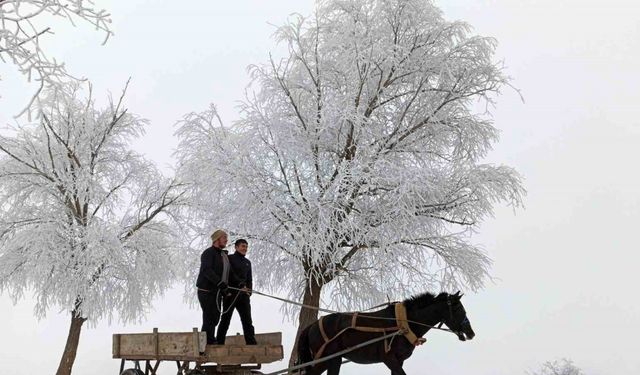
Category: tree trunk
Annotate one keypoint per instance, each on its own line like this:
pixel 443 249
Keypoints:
pixel 70 350
pixel 307 315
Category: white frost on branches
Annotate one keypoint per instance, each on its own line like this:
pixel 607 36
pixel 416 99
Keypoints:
pixel 559 367
pixel 86 224
pixel 22 27
pixel 357 163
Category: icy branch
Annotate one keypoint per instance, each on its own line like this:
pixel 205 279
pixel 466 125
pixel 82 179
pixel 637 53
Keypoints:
pixel 21 33
pixel 86 224
pixel 358 160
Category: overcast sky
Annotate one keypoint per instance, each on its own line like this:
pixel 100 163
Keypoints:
pixel 564 266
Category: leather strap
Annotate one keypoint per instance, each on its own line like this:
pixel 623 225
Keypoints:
pixel 403 324
pixel 322 331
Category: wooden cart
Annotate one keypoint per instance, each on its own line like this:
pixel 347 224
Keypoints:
pixel 191 354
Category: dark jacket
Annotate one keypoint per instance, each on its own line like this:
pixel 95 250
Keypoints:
pixel 211 270
pixel 241 267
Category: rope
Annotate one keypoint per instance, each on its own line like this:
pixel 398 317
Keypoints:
pixel 338 312
pixel 288 301
pixel 334 355
pixel 219 306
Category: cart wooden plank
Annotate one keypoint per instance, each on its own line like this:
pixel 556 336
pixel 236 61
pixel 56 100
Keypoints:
pixel 243 354
pixel 180 346
pixel 271 338
pixel 235 352
pixel 158 345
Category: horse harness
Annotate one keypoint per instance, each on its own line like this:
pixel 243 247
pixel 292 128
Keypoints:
pixel 402 324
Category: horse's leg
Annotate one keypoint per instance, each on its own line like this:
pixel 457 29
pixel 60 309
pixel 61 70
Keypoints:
pixel 316 369
pixel 394 364
pixel 334 366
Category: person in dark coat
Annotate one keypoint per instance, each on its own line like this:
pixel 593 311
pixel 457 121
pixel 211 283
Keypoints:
pixel 213 280
pixel 239 300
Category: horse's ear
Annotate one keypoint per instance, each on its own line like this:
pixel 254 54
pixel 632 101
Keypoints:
pixel 457 294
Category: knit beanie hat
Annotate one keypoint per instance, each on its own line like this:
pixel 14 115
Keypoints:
pixel 217 234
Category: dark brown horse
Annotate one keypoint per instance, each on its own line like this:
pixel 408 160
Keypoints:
pixel 422 313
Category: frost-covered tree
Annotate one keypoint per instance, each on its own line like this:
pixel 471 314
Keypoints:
pixel 23 24
pixel 356 166
pixel 558 367
pixel 86 224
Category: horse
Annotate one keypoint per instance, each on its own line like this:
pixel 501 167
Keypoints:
pixel 339 331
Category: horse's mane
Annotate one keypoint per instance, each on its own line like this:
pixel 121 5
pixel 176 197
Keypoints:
pixel 424 300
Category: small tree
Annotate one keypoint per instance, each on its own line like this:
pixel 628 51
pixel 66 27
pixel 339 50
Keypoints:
pixel 558 367
pixel 356 164
pixel 21 30
pixel 86 223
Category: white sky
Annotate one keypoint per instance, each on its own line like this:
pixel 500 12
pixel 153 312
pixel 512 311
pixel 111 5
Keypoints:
pixel 564 266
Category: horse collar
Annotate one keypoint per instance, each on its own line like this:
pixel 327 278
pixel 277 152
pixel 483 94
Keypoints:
pixel 403 324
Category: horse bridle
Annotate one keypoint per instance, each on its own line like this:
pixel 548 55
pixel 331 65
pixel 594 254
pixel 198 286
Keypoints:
pixel 450 305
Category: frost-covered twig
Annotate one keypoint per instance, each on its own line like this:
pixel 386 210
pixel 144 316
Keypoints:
pixel 21 31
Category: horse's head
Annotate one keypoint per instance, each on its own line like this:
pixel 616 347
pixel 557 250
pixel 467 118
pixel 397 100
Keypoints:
pixel 455 317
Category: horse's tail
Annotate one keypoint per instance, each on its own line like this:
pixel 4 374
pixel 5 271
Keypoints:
pixel 304 349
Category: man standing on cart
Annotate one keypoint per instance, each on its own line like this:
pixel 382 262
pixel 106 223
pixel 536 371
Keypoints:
pixel 213 280
pixel 239 300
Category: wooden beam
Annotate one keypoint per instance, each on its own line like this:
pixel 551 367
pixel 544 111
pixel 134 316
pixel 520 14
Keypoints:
pixel 115 349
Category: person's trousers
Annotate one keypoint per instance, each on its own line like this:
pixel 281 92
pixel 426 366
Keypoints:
pixel 210 314
pixel 243 305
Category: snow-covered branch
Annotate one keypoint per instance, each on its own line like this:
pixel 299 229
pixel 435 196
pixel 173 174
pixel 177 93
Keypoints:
pixel 86 224
pixel 358 160
pixel 558 367
pixel 21 32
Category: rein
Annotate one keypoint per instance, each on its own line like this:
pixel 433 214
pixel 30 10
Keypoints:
pixel 438 327
pixel 219 302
